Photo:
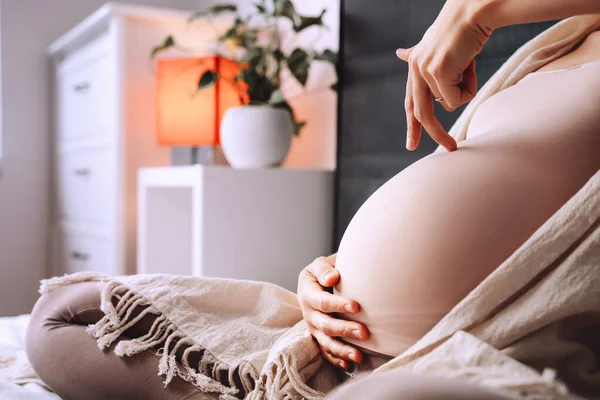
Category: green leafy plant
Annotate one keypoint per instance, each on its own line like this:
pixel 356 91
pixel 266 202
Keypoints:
pixel 264 62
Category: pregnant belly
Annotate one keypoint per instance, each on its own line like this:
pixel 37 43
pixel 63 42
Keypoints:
pixel 432 233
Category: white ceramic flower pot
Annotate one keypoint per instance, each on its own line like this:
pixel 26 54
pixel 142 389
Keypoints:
pixel 256 136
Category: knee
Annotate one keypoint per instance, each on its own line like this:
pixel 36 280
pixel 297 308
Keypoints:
pixel 73 304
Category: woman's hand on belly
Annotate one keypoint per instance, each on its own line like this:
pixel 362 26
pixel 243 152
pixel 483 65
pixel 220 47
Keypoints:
pixel 317 304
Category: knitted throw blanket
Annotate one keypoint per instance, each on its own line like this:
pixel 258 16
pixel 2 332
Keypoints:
pixel 531 329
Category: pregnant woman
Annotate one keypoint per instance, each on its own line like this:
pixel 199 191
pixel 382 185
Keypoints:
pixel 424 240
pixel 432 233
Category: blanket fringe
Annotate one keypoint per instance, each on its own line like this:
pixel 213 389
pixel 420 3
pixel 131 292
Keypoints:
pixel 118 318
pixel 280 372
pixel 47 285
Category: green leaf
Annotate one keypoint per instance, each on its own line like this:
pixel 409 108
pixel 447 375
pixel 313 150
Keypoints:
pixel 327 55
pixel 286 9
pixel 276 98
pixel 278 54
pixel 240 33
pixel 306 22
pixel 278 4
pixel 207 79
pixel 246 75
pixel 335 86
pixel 299 65
pixel 167 43
pixel 231 33
pixel 260 88
pixel 298 127
pixel 252 55
pixel 261 8
pixel 249 37
pixel 218 9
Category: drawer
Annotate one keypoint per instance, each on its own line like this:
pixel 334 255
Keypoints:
pixel 79 252
pixel 87 185
pixel 86 94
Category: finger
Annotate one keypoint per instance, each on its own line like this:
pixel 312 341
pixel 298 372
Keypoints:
pixel 413 126
pixel 456 92
pixel 324 272
pixel 424 113
pixel 469 81
pixel 337 327
pixel 308 281
pixel 332 259
pixel 337 348
pixel 319 299
pixel 338 362
pixel 433 86
pixel 403 54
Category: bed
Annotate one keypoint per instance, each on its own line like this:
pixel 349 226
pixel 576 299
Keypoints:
pixel 12 341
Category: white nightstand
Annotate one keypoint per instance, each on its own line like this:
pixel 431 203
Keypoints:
pixel 213 221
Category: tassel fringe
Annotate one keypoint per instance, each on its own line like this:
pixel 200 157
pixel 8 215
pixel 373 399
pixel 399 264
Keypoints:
pixel 277 375
pixel 118 318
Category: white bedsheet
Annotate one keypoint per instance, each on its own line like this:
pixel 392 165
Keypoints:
pixel 12 340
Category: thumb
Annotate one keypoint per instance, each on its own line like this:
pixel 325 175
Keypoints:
pixel 469 82
pixel 403 54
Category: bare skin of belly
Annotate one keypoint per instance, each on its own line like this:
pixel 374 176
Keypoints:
pixel 432 233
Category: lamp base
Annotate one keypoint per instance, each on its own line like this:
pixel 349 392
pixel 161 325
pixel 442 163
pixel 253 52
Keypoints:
pixel 206 155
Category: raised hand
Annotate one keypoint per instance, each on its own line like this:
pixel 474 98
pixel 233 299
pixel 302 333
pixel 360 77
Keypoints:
pixel 442 67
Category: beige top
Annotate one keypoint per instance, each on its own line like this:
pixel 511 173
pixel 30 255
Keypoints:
pixel 409 253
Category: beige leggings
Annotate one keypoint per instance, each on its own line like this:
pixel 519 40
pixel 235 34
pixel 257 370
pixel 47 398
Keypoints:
pixel 68 360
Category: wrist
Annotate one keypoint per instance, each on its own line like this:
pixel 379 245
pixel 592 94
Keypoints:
pixel 484 15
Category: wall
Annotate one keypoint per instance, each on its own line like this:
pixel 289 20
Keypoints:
pixel 27 28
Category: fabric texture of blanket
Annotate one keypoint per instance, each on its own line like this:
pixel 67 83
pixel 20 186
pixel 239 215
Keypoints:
pixel 531 329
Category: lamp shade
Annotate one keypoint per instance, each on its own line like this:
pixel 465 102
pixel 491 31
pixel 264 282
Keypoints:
pixel 187 116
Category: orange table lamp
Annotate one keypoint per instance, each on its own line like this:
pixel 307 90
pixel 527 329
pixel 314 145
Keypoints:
pixel 187 116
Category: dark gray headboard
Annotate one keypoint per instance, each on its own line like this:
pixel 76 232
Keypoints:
pixel 372 129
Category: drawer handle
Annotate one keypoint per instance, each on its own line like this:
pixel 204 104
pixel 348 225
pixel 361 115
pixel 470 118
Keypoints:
pixel 82 171
pixel 76 255
pixel 81 87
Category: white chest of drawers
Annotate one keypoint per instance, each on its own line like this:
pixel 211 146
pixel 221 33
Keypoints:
pixel 104 132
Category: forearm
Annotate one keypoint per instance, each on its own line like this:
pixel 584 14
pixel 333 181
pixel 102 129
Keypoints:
pixel 493 14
